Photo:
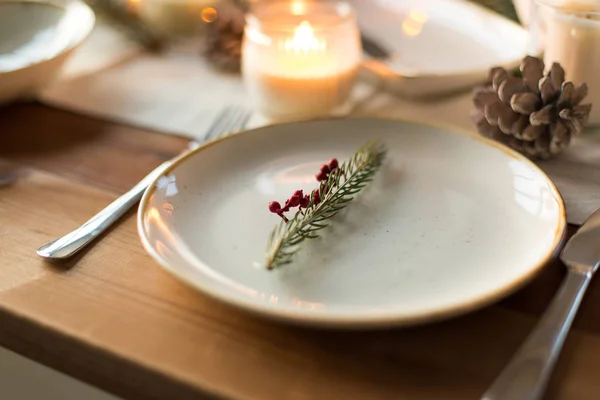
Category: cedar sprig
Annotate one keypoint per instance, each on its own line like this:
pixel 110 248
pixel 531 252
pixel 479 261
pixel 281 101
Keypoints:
pixel 341 186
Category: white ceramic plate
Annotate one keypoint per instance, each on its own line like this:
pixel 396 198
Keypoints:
pixel 450 224
pixel 36 38
pixel 439 45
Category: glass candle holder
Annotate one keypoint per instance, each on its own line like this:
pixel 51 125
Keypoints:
pixel 568 31
pixel 299 59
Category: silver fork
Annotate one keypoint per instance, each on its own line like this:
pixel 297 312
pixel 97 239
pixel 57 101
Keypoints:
pixel 229 120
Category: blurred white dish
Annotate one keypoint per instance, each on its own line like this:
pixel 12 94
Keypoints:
pixel 450 224
pixel 523 9
pixel 439 46
pixel 36 38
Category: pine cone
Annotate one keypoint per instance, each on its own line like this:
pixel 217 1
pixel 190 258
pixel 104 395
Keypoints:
pixel 534 114
pixel 223 37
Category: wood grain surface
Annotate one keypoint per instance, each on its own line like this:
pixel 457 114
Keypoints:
pixel 114 318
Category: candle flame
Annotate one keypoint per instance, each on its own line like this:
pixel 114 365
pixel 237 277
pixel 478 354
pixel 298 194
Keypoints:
pixel 304 40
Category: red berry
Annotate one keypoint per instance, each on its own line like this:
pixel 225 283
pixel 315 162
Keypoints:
pixel 333 163
pixel 321 176
pixel 325 168
pixel 295 201
pixel 316 196
pixel 298 193
pixel 274 207
pixel 304 201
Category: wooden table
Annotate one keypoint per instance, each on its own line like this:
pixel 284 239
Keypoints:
pixel 114 318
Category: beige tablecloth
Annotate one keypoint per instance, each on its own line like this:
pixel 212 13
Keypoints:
pixel 180 94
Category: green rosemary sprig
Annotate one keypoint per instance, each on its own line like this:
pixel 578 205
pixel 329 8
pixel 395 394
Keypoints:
pixel 341 186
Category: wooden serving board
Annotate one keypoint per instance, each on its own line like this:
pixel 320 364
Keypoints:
pixel 112 317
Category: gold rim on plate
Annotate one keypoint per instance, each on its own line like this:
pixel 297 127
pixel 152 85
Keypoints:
pixel 380 319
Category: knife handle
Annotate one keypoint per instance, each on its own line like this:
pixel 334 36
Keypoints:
pixel 526 375
pixel 76 240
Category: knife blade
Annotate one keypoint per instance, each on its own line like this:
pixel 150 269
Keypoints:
pixel 582 251
pixel 527 374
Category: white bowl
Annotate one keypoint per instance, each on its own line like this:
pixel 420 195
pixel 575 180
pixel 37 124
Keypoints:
pixel 438 46
pixel 523 9
pixel 36 38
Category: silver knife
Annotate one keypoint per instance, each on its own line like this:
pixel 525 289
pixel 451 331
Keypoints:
pixel 527 374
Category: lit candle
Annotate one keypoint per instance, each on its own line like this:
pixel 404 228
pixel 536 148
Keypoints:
pixel 299 60
pixel 572 38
